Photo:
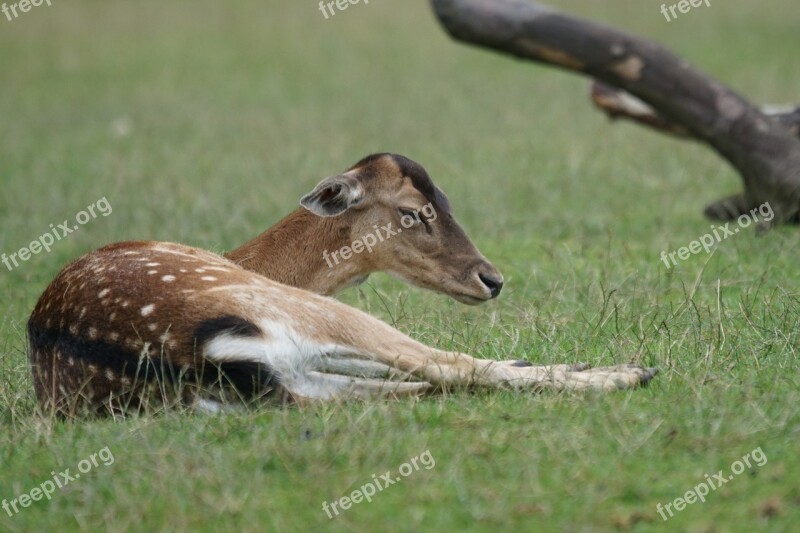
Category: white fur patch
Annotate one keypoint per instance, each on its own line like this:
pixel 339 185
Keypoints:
pixel 288 354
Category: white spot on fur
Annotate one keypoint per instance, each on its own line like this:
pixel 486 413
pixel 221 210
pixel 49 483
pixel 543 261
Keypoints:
pixel 168 279
pixel 113 336
pixel 152 264
pixel 73 329
pixel 199 270
pixel 209 278
pixel 92 333
pixel 102 293
pixel 152 327
pixel 148 309
pixel 110 375
pixel 151 272
pixel 112 316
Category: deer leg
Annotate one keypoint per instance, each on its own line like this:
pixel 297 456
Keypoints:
pixel 309 357
pixel 377 341
pixel 320 386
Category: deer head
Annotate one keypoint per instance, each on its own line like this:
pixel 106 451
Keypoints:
pixel 383 214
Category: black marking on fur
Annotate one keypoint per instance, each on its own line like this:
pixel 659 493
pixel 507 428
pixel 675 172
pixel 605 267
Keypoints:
pixel 249 379
pixel 227 324
pixel 104 355
pixel 521 363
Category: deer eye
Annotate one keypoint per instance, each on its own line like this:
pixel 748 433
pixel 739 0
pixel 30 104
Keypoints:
pixel 412 217
pixel 409 216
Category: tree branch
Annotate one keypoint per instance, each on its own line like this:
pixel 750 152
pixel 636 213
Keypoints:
pixel 617 103
pixel 764 152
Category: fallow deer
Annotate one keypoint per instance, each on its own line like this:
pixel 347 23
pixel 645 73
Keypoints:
pixel 137 319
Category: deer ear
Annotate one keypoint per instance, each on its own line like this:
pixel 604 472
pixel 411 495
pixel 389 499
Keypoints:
pixel 333 196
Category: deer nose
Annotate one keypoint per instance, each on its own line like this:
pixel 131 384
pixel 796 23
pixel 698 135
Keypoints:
pixel 495 285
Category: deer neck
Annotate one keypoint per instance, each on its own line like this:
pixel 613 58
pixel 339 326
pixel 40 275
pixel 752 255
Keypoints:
pixel 293 251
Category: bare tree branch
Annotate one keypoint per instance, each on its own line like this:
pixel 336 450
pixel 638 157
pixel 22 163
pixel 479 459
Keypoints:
pixel 765 153
pixel 617 103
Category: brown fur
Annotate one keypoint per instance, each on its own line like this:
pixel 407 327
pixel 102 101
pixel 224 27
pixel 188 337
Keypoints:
pixel 140 319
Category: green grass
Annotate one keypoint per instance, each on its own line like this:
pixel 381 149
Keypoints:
pixel 237 109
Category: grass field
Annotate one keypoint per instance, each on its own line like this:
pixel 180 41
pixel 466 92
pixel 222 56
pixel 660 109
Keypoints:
pixel 204 122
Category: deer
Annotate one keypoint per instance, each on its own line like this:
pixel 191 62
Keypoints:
pixel 138 323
